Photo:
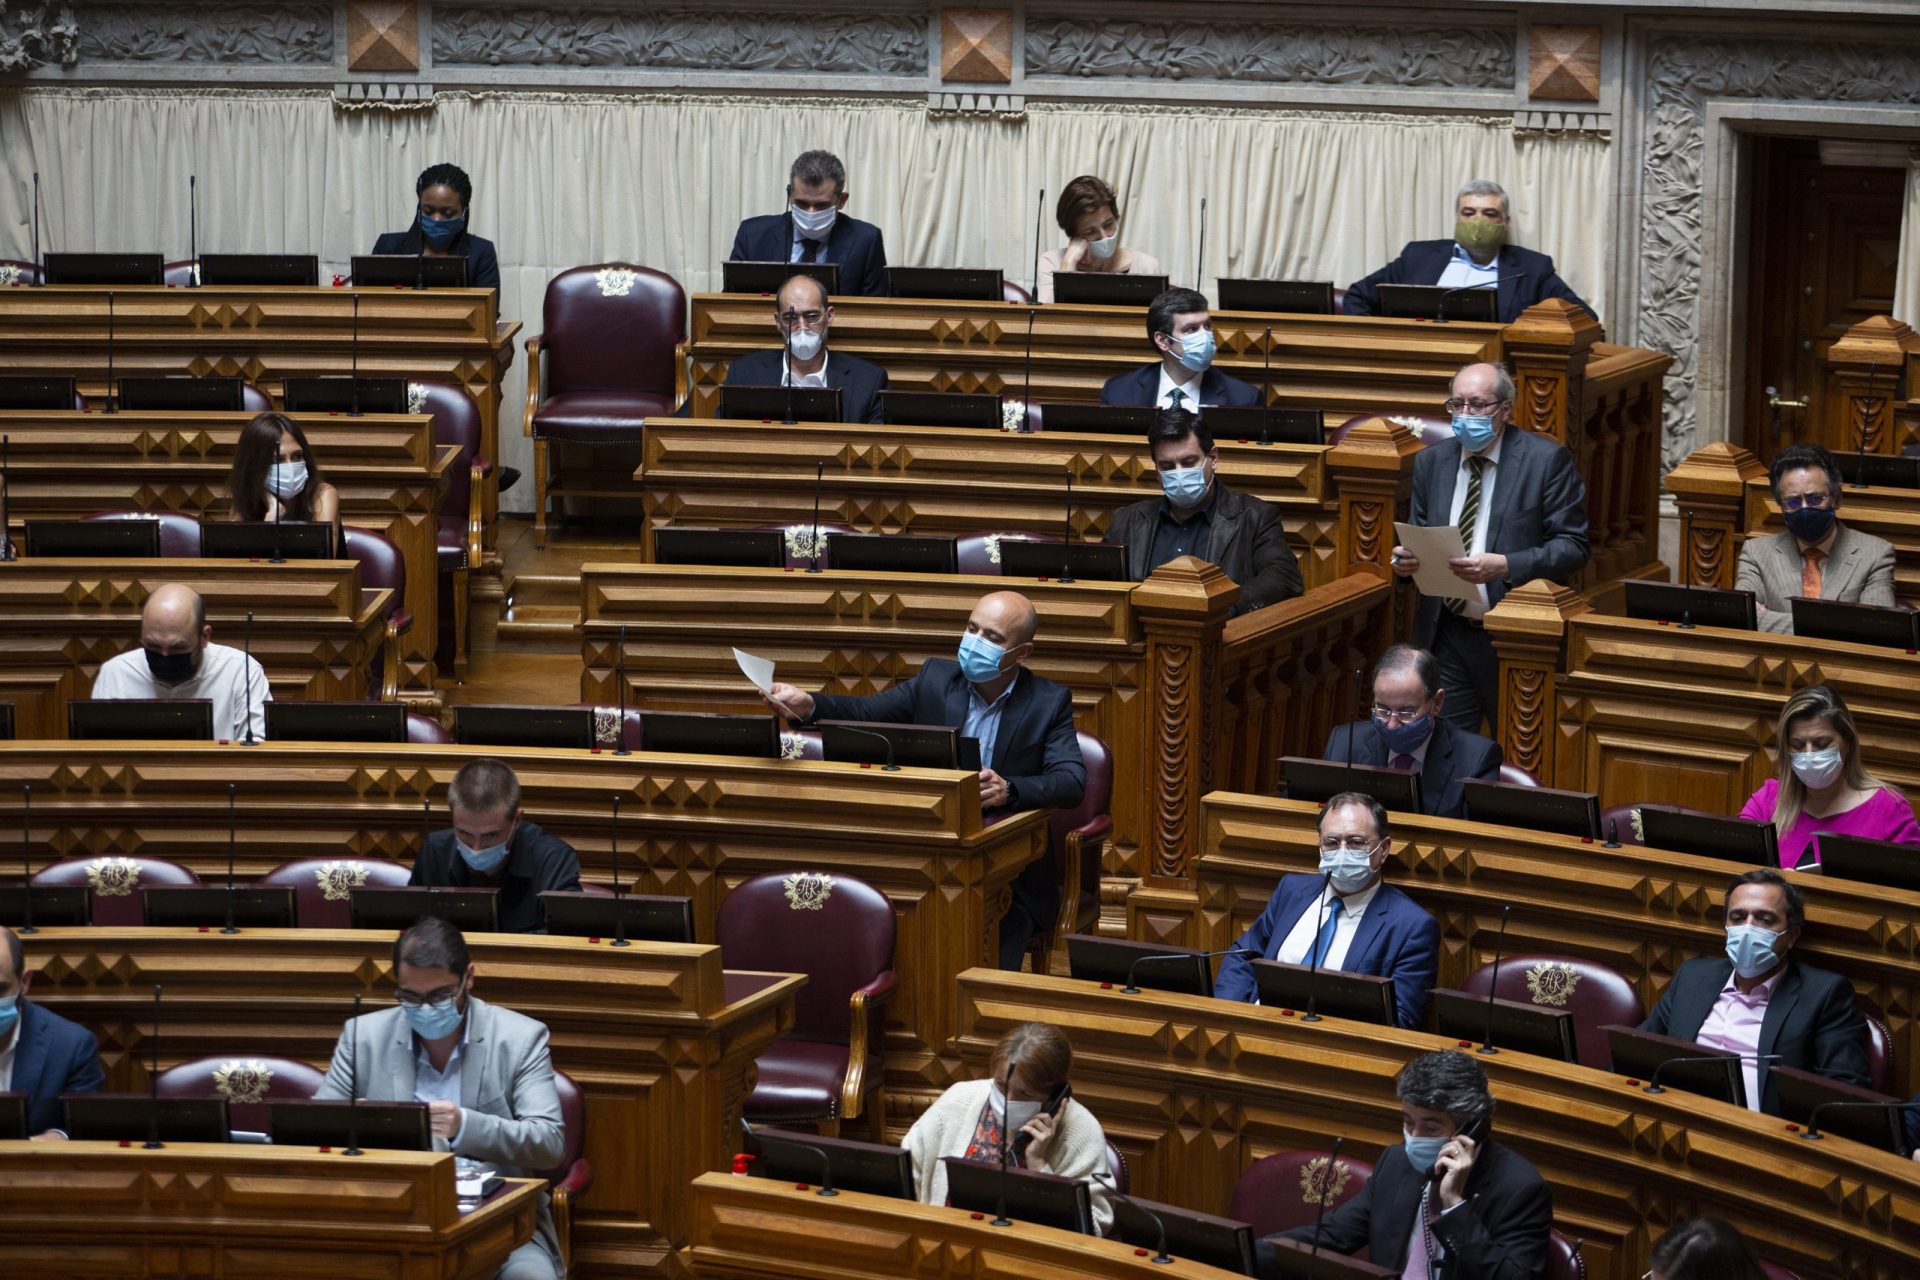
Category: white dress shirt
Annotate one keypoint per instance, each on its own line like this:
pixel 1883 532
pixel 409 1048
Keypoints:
pixel 1477 607
pixel 818 378
pixel 1299 940
pixel 1464 273
pixel 1189 390
pixel 236 684
pixel 431 1085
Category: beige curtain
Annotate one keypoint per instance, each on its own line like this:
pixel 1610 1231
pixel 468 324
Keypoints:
pixel 561 180
pixel 1906 281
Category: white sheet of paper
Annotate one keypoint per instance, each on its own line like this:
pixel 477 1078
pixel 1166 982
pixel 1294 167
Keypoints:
pixel 758 670
pixel 1435 545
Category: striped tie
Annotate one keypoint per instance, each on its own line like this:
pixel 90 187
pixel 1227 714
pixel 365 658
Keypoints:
pixel 1469 517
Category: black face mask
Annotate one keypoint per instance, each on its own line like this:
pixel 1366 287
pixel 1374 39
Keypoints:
pixel 172 668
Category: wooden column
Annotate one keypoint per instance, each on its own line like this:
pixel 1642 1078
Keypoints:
pixel 1547 350
pixel 1371 470
pixel 1869 367
pixel 1529 630
pixel 1710 490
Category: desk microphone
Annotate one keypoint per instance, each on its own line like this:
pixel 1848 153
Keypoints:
pixel 1066 534
pixel 278 504
pixel 230 844
pixel 819 479
pixel 1313 955
pixel 26 858
pixel 6 516
pixel 39 270
pixel 1654 1085
pixel 1200 256
pixel 881 738
pixel 786 367
pixel 1266 393
pixel 246 666
pixel 826 1161
pixel 1440 316
pixel 1039 212
pixel 1613 834
pixel 1160 1253
pixel 353 392
pixel 113 404
pixel 613 841
pixel 620 726
pixel 1812 1131
pixel 1320 1214
pixel 353 1084
pixel 153 1080
pixel 426 825
pixel 1026 392
pixel 193 231
pixel 1493 989
pixel 1165 956
pixel 1000 1218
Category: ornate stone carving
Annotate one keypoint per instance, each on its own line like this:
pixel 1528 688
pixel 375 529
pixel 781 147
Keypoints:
pixel 34 35
pixel 245 33
pixel 383 36
pixel 846 42
pixel 976 45
pixel 1563 64
pixel 1333 52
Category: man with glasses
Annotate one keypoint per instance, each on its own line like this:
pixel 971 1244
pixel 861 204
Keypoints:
pixel 483 1072
pixel 1521 509
pixel 803 315
pixel 1815 556
pixel 1405 731
pixel 1346 918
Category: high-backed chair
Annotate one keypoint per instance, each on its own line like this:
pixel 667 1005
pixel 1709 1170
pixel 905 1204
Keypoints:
pixel 1563 1260
pixel 382 565
pixel 180 274
pixel 247 1081
pixel 980 552
pixel 1076 837
pixel 426 729
pixel 1622 821
pixel 179 532
pixel 1777 1272
pixel 456 422
pixel 1117 1169
pixel 607 734
pixel 1595 994
pixel 613 336
pixel 1879 1052
pixel 1011 292
pixel 14 272
pixel 114 883
pixel 323 887
pixel 254 400
pixel 798 536
pixel 802 743
pixel 1285 1190
pixel 574 1173
pixel 1427 428
pixel 823 1070
pixel 1516 776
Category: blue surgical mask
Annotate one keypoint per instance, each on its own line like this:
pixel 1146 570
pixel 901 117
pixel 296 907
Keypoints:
pixel 440 232
pixel 1184 486
pixel 1348 869
pixel 814 224
pixel 1751 949
pixel 1422 1152
pixel 979 658
pixel 9 1014
pixel 485 861
pixel 434 1021
pixel 287 479
pixel 1474 431
pixel 1817 769
pixel 1196 350
pixel 1405 738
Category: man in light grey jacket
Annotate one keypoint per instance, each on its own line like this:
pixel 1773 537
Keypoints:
pixel 1816 555
pixel 483 1072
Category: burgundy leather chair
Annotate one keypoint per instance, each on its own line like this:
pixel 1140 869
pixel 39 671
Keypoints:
pixel 603 726
pixel 1879 1052
pixel 381 565
pixel 1595 994
pixel 1563 1261
pixel 254 400
pixel 1283 1191
pixel 114 883
pixel 823 1071
pixel 798 536
pixel 247 1081
pixel 426 729
pixel 1516 776
pixel 323 887
pixel 1117 1170
pixel 179 532
pixel 179 275
pixel 980 552
pixel 1622 821
pixel 1777 1272
pixel 1076 837
pixel 456 422
pixel 802 743
pixel 15 272
pixel 574 1173
pixel 1427 428
pixel 1011 292
pixel 614 338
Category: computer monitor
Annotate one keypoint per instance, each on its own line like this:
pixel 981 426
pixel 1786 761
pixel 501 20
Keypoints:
pixel 182 394
pixel 1294 1260
pixel 1106 289
pixel 338 395
pixel 1880 470
pixel 409 271
pixel 140 719
pixel 18 392
pixel 1099 419
pixel 649 917
pixel 1086 561
pixel 13 1116
pixel 1894 627
pixel 104 268
pixel 1358 996
pixel 1801 1091
pixel 917 746
pixel 337 721
pixel 268 540
pixel 941 409
pixel 1045 1199
pixel 469 910
pixel 1710 836
pixel 1689 605
pixel 1321 780
pixel 735 548
pixel 963 284
pixel 1154 965
pixel 892 553
pixel 94 539
pixel 524 727
pixel 1283 297
pixel 67 905
pixel 779 404
pixel 299 270
pixel 1517 1025
pixel 6 721
pixel 193 906
pixel 1267 426
pixel 1197 1237
pixel 1882 862
pixel 742 276
pixel 383 1126
pixel 1641 1054
pixel 1570 813
pixel 706 733
pixel 871 1168
pixel 135 1117
pixel 1431 302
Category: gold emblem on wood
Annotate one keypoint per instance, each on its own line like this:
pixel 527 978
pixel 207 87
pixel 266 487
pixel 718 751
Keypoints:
pixel 1322 1181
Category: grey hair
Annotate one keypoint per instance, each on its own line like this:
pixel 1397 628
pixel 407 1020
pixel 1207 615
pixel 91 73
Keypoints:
pixel 1448 1081
pixel 818 166
pixel 1503 388
pixel 1485 187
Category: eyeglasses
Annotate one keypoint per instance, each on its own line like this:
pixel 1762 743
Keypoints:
pixel 1456 404
pixel 811 319
pixel 1391 714
pixel 414 1000
pixel 1817 501
pixel 1352 844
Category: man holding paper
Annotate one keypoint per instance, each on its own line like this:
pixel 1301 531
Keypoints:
pixel 1509 506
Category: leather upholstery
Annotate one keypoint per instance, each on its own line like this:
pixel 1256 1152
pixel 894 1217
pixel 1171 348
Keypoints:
pixel 1562 1262
pixel 1596 994
pixel 16 272
pixel 115 882
pixel 604 715
pixel 381 565
pixel 1515 775
pixel 574 1173
pixel 599 417
pixel 799 540
pixel 1282 1191
pixel 254 400
pixel 1075 839
pixel 800 1082
pixel 978 552
pixel 426 729
pixel 179 533
pixel 457 540
pixel 1117 1166
pixel 1624 818
pixel 178 275
pixel 610 357
pixel 1011 292
pixel 236 1076
pixel 1879 1053
pixel 1427 428
pixel 1777 1272
pixel 321 885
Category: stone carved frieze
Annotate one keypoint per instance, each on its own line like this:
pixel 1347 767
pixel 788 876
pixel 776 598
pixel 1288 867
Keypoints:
pixel 273 34
pixel 847 42
pixel 37 35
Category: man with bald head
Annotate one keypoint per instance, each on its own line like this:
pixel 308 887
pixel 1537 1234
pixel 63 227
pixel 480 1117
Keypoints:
pixel 1029 751
pixel 1521 508
pixel 178 661
pixel 804 315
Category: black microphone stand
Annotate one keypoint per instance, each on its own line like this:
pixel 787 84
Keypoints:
pixel 819 479
pixel 1320 1215
pixel 620 726
pixel 230 844
pixel 881 738
pixel 353 1085
pixel 113 403
pixel 1000 1218
pixel 1493 987
pixel 786 370
pixel 153 1080
pixel 7 552
pixel 193 231
pixel 1066 534
pixel 1039 213
pixel 1313 969
pixel 1266 393
pixel 619 912
pixel 353 377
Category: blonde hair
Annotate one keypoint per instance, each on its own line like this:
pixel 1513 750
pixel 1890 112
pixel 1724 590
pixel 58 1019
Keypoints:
pixel 1816 700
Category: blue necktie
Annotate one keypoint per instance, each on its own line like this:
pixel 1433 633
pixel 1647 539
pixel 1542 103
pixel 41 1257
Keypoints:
pixel 1324 943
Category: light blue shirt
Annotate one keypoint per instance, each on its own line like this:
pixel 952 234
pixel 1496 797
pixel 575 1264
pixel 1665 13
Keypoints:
pixel 430 1085
pixel 983 719
pixel 1464 273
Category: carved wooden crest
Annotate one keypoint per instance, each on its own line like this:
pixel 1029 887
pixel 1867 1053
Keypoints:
pixel 242 1081
pixel 338 880
pixel 614 282
pixel 808 890
pixel 113 877
pixel 1323 1181
pixel 1552 982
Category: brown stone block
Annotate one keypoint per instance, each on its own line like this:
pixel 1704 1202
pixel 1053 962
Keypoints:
pixel 383 36
pixel 1563 64
pixel 976 45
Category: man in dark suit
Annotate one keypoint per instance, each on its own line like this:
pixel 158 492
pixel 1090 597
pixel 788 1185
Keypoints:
pixel 1197 515
pixel 1486 1217
pixel 1181 331
pixel 1405 731
pixel 493 846
pixel 815 229
pixel 804 315
pixel 1759 999
pixel 1521 509
pixel 1477 257
pixel 1029 749
pixel 1345 918
pixel 41 1053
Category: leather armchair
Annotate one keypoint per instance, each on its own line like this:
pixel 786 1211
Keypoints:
pixel 426 729
pixel 254 400
pixel 181 274
pixel 980 552
pixel 14 271
pixel 179 533
pixel 1879 1052
pixel 1075 837
pixel 1514 775
pixel 839 932
pixel 456 422
pixel 1117 1169
pixel 1595 994
pixel 323 887
pixel 798 536
pixel 247 1083
pixel 574 1173
pixel 1284 1190
pixel 614 337
pixel 606 733
pixel 381 565
pixel 1777 1272
pixel 1563 1260
pixel 114 884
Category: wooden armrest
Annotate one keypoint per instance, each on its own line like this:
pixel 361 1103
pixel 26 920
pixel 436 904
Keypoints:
pixel 534 345
pixel 864 1034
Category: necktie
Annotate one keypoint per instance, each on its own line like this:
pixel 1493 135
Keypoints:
pixel 1324 943
pixel 1469 517
pixel 1403 761
pixel 1811 559
pixel 1176 398
pixel 810 250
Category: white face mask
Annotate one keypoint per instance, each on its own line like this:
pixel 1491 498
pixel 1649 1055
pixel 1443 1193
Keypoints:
pixel 814 224
pixel 1350 869
pixel 1817 768
pixel 805 344
pixel 287 479
pixel 1018 1113
pixel 1104 249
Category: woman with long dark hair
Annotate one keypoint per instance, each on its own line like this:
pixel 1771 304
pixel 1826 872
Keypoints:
pixel 276 477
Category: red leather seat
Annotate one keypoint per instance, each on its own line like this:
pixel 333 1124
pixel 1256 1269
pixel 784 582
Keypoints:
pixel 613 337
pixel 179 532
pixel 1427 428
pixel 1117 1169
pixel 980 552
pixel 114 883
pixel 15 272
pixel 574 1173
pixel 1283 1191
pixel 1594 993
pixel 824 1069
pixel 603 726
pixel 799 540
pixel 1075 837
pixel 426 729
pixel 802 743
pixel 1879 1053
pixel 1011 292
pixel 322 887
pixel 457 545
pixel 254 400
pixel 1563 1261
pixel 180 274
pixel 1516 776
pixel 247 1081
pixel 381 565
pixel 1777 1272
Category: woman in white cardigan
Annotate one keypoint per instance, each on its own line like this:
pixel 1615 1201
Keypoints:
pixel 965 1120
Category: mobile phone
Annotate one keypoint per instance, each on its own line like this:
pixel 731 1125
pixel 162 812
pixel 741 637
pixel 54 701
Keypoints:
pixel 1473 1133
pixel 1051 1107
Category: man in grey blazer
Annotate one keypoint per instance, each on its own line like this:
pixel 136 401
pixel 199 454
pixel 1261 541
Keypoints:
pixel 1816 555
pixel 483 1072
pixel 1522 512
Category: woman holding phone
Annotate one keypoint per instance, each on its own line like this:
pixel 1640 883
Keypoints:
pixel 1051 1132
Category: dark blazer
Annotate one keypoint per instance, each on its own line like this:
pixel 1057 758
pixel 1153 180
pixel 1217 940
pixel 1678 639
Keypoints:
pixel 483 268
pixel 537 861
pixel 1037 750
pixel 1142 387
pixel 54 1056
pixel 1246 540
pixel 1811 1021
pixel 854 246
pixel 1424 261
pixel 1397 939
pixel 1453 756
pixel 1499 1232
pixel 860 382
pixel 1538 520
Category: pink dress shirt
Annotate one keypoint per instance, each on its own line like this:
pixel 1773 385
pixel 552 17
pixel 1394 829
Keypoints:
pixel 1884 815
pixel 1733 1024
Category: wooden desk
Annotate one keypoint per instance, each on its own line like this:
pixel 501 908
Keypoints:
pixel 693 825
pixel 1195 1089
pixel 660 1041
pixel 390 474
pixel 754 1228
pixel 315 630
pixel 267 335
pixel 200 1209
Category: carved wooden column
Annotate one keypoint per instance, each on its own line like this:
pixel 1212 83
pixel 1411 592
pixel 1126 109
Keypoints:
pixel 1547 349
pixel 1710 490
pixel 1529 630
pixel 1183 609
pixel 1869 367
pixel 1372 472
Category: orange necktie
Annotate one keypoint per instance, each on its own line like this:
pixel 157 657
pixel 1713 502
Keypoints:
pixel 1810 560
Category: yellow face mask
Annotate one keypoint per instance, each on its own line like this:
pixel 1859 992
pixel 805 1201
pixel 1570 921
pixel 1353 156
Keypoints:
pixel 1478 235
